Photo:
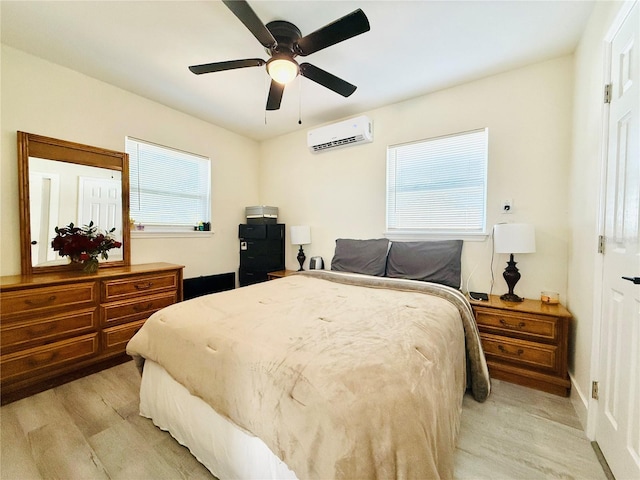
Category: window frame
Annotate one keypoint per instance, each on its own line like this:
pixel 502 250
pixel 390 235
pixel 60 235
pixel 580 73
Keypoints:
pixel 422 233
pixel 168 229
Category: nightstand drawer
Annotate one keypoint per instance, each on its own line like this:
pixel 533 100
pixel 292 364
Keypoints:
pixel 535 327
pixel 511 350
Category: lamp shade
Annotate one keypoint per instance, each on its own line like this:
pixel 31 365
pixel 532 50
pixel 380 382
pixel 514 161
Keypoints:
pixel 514 238
pixel 301 235
pixel 282 70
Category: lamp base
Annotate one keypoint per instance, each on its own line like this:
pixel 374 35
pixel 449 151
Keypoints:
pixel 511 276
pixel 301 258
pixel 511 297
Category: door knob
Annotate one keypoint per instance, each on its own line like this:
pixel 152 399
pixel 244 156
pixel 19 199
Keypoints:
pixel 635 280
pixel 34 242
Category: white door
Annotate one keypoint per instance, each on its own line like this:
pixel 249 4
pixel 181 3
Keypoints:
pixel 618 419
pixel 99 202
pixel 44 202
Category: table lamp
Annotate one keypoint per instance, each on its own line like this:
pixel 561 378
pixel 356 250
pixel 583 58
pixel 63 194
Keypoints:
pixel 513 238
pixel 301 235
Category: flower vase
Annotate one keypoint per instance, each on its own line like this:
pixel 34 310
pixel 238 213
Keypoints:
pixel 76 263
pixel 91 265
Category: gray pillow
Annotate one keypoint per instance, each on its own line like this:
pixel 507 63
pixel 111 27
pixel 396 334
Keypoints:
pixel 437 261
pixel 361 256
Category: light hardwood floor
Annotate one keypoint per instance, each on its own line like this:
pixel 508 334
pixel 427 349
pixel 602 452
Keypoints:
pixel 90 429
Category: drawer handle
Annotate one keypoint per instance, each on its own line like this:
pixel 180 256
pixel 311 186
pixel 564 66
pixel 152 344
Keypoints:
pixel 40 303
pixel 507 352
pixel 142 308
pixel 144 286
pixel 519 325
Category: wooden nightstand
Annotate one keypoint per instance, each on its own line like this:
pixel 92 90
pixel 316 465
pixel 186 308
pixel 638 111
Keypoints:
pixel 525 343
pixel 279 274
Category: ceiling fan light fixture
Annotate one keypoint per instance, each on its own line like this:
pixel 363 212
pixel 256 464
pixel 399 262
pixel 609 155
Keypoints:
pixel 282 70
pixel 283 42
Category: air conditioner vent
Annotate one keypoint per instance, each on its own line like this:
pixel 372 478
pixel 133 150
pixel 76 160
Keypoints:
pixel 341 134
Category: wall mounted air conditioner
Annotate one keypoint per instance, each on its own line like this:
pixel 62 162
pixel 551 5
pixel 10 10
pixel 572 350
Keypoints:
pixel 342 134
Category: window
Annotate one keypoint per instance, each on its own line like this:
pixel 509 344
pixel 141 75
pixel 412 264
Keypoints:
pixel 438 186
pixel 169 189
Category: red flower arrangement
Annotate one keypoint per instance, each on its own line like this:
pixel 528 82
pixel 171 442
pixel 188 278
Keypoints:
pixel 84 244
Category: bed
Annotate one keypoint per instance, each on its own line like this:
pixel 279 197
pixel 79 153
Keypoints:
pixel 322 374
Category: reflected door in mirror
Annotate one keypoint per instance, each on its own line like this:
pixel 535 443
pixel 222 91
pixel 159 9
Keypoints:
pixel 99 202
pixel 62 193
pixel 45 192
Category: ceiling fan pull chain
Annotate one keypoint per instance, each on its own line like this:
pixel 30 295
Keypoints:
pixel 266 84
pixel 299 101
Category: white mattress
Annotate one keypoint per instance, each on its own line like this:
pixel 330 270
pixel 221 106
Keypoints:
pixel 221 446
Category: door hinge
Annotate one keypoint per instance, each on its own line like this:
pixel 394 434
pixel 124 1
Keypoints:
pixel 601 241
pixel 607 93
pixel 594 390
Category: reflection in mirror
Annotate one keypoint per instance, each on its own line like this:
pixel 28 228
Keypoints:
pixel 63 193
pixel 62 182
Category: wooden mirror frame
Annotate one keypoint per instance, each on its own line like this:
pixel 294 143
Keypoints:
pixel 31 145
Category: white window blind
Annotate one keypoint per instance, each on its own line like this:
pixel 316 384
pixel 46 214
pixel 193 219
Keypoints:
pixel 438 185
pixel 169 189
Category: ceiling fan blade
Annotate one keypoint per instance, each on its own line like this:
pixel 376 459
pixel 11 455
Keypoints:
pixel 248 17
pixel 275 95
pixel 342 29
pixel 326 79
pixel 228 65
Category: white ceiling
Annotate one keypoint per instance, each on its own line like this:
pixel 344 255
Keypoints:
pixel 413 48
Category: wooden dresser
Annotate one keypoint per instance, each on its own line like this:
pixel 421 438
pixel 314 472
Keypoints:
pixel 57 327
pixel 525 343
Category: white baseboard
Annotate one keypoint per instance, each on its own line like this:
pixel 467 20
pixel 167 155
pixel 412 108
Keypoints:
pixel 580 403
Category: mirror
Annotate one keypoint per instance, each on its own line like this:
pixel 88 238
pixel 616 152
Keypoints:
pixel 64 182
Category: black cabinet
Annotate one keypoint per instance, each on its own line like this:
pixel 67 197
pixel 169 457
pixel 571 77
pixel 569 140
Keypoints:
pixel 261 251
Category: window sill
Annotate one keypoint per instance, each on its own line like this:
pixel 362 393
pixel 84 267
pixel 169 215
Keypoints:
pixel 157 234
pixel 418 236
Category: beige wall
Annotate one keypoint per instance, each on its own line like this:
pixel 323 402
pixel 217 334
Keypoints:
pixel 544 154
pixel 584 186
pixel 46 99
pixel 341 193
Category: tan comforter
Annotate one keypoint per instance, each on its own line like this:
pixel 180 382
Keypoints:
pixel 341 376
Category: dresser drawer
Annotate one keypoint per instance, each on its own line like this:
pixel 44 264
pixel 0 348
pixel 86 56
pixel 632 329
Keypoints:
pixel 40 300
pixel 62 324
pixel 134 287
pixel 48 357
pixel 139 309
pixel 536 327
pixel 520 352
pixel 15 334
pixel 115 339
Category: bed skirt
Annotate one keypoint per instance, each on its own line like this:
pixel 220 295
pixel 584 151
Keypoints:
pixel 226 450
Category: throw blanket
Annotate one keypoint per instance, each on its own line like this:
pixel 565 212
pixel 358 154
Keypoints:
pixel 341 376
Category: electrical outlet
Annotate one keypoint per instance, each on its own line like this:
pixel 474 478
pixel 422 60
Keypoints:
pixel 507 206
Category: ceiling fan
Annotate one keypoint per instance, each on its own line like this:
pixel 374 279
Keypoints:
pixel 284 42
